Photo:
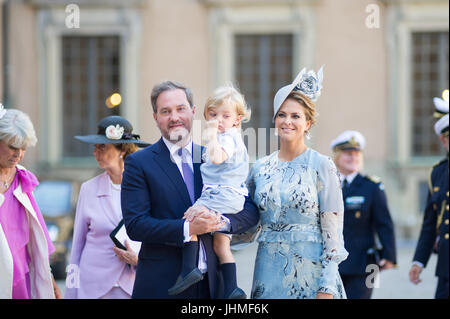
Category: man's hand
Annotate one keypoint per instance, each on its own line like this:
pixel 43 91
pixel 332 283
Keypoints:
pixel 205 222
pixel 195 211
pixel 386 264
pixel 414 274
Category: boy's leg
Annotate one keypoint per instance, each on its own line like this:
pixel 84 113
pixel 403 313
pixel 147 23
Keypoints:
pixel 228 266
pixel 189 259
pixel 190 274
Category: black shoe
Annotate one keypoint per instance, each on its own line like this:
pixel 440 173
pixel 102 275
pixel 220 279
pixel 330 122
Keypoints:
pixel 237 293
pixel 184 283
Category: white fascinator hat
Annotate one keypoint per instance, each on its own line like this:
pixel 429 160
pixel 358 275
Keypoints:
pixel 307 82
pixel 441 112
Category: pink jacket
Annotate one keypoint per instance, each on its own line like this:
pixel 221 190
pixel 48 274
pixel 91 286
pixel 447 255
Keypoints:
pixel 94 269
pixel 40 245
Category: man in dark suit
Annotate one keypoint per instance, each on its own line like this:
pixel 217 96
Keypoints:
pixel 434 232
pixel 366 215
pixel 159 184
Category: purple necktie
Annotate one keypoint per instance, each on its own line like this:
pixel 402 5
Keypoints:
pixel 188 175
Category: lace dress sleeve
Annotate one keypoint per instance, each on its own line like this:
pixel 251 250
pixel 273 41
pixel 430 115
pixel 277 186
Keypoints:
pixel 331 209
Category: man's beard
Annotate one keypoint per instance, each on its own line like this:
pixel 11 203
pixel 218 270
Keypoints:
pixel 178 134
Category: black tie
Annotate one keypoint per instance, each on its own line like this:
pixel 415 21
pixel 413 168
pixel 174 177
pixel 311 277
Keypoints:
pixel 345 183
pixel 345 188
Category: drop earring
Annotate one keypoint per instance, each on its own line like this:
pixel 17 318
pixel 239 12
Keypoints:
pixel 308 135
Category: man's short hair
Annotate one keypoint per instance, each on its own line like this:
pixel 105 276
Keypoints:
pixel 170 85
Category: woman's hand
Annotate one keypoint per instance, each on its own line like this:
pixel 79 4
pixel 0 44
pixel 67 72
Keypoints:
pixel 323 295
pixel 127 256
pixel 56 289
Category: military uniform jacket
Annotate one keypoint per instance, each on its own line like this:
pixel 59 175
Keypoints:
pixel 435 221
pixel 366 214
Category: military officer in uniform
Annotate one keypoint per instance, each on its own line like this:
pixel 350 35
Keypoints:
pixel 366 215
pixel 434 233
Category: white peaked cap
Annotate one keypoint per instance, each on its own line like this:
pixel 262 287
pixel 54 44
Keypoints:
pixel 349 140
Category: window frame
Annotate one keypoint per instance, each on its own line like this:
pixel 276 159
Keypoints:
pixel 404 19
pixel 121 22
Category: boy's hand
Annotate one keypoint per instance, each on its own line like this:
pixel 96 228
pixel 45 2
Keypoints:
pixel 211 130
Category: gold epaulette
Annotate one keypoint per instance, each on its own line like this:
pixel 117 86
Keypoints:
pixel 430 183
pixel 374 178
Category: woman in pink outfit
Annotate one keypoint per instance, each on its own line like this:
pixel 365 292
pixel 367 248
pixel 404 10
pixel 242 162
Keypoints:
pixel 25 245
pixel 97 268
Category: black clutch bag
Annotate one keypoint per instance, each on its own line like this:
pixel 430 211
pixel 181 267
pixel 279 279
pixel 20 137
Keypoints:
pixel 119 236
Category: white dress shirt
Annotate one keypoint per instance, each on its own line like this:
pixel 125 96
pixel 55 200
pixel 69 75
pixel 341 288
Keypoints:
pixel 349 178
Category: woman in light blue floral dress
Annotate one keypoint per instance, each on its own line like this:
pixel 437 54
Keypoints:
pixel 299 197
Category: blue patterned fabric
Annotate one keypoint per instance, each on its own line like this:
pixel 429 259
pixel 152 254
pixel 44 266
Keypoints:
pixel 301 214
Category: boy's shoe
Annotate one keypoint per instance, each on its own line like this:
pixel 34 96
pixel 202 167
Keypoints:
pixel 184 283
pixel 237 293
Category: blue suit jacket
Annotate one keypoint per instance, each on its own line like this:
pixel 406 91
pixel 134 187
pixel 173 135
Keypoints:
pixel 366 214
pixel 154 199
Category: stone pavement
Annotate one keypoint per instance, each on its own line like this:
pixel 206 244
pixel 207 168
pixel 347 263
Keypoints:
pixel 393 283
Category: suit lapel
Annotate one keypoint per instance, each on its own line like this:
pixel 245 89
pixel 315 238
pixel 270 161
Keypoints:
pixel 171 170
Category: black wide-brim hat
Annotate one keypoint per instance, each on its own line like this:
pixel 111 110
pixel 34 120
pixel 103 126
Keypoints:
pixel 113 129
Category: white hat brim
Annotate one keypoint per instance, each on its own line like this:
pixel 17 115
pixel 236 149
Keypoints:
pixel 284 92
pixel 441 124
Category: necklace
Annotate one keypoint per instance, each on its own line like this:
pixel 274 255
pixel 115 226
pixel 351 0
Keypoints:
pixel 6 183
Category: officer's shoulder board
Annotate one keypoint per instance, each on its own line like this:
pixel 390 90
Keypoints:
pixel 375 179
pixel 444 160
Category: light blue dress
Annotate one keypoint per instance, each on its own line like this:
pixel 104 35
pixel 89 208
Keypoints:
pixel 301 242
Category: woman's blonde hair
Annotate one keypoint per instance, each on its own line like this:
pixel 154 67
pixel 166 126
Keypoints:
pixel 228 94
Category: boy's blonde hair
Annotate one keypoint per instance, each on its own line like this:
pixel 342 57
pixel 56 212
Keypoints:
pixel 230 95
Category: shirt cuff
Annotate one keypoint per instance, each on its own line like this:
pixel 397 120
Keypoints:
pixel 418 263
pixel 227 226
pixel 187 237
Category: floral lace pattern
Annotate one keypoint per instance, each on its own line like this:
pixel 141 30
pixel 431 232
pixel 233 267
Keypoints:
pixel 301 241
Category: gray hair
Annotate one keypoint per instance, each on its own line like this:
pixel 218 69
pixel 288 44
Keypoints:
pixel 17 130
pixel 170 85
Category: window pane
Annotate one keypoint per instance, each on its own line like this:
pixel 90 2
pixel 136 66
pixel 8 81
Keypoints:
pixel 430 78
pixel 91 74
pixel 263 65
